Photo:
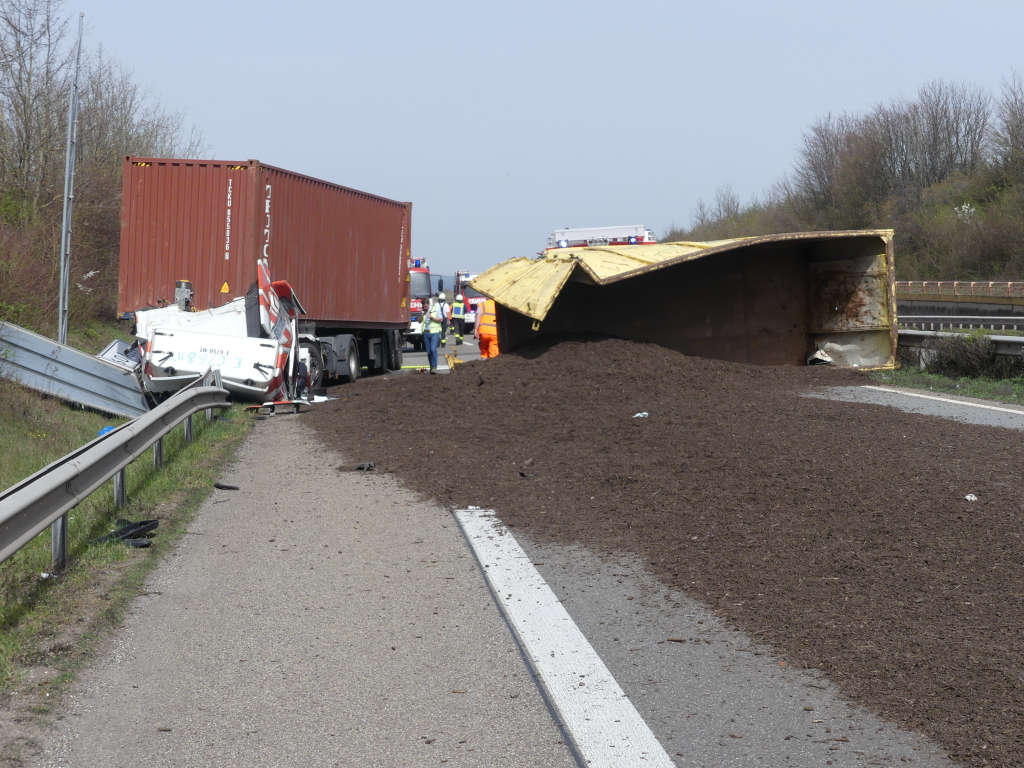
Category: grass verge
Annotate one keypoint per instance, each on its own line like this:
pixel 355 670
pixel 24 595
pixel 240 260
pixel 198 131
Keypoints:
pixel 1000 390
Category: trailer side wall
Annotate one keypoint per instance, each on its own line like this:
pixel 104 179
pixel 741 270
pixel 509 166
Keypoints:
pixel 345 252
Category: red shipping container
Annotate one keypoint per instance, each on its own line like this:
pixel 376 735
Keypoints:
pixel 345 252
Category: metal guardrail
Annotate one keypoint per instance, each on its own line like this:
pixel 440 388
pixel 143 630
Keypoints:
pixel 28 507
pixel 67 373
pixel 997 289
pixel 963 322
pixel 920 342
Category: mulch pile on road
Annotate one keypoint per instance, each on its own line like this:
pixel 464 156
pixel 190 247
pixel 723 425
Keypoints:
pixel 837 532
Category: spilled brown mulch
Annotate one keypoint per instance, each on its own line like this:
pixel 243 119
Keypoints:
pixel 837 532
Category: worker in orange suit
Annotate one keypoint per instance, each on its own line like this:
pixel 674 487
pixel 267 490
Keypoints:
pixel 486 330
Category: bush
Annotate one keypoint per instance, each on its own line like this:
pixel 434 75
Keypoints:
pixel 973 356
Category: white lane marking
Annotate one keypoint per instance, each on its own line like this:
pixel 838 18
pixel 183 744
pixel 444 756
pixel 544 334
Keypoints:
pixel 944 399
pixel 600 718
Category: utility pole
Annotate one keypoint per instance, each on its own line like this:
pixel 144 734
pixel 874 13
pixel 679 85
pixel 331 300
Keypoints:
pixel 59 529
pixel 69 196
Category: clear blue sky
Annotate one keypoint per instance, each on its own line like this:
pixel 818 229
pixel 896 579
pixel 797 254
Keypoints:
pixel 503 122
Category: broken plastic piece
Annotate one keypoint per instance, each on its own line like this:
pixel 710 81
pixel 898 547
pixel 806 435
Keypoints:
pixel 641 415
pixel 365 467
pixel 971 497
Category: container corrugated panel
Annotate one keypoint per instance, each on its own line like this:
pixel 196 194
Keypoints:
pixel 345 252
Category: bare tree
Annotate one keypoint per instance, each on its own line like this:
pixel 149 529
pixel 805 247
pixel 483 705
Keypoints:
pixel 817 168
pixel 702 215
pixel 115 119
pixel 34 64
pixel 952 128
pixel 1008 138
pixel 727 204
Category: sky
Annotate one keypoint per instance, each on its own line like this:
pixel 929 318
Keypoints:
pixel 503 122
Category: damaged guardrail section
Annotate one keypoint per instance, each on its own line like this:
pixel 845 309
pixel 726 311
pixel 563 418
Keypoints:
pixel 29 507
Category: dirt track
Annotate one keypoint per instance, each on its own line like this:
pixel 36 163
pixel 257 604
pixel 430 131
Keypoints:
pixel 837 532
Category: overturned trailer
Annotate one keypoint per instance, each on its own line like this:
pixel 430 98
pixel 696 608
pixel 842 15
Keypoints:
pixel 773 299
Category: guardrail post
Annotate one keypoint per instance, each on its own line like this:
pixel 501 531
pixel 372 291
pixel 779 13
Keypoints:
pixel 120 497
pixel 188 429
pixel 59 543
pixel 158 453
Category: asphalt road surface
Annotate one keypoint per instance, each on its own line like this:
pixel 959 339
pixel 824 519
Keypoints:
pixel 415 361
pixel 336 621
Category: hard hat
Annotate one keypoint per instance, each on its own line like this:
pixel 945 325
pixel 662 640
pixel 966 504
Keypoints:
pixel 458 297
pixel 441 295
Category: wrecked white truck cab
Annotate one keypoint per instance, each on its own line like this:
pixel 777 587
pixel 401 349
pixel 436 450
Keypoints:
pixel 251 340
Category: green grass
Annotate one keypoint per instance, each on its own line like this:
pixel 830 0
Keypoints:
pixel 1000 390
pixel 39 614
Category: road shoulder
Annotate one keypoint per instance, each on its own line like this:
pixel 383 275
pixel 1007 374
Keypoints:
pixel 317 616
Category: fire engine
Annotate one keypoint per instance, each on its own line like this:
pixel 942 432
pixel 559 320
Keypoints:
pixel 579 237
pixel 419 292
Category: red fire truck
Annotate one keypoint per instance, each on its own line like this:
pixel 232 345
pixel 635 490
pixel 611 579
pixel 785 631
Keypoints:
pixel 419 293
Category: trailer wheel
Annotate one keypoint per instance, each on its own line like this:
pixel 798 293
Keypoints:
pixel 352 360
pixel 395 344
pixel 316 365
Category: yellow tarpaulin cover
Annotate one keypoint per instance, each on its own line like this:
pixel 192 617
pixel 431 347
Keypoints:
pixel 530 286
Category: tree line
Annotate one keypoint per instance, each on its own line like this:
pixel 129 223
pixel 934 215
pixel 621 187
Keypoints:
pixel 115 118
pixel 944 169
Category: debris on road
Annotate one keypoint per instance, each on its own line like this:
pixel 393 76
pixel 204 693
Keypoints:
pixel 132 534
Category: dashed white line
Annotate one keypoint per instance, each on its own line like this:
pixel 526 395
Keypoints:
pixel 601 720
pixel 944 399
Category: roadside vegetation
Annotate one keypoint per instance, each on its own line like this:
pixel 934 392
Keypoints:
pixel 999 390
pixel 115 118
pixel 944 169
pixel 964 364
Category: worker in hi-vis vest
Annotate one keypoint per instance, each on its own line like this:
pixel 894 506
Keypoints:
pixel 436 320
pixel 486 330
pixel 458 318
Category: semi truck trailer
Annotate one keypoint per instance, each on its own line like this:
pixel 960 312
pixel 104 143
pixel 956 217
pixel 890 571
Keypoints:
pixel 344 252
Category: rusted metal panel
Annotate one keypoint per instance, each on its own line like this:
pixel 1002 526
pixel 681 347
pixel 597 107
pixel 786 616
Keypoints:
pixel 849 294
pixel 345 252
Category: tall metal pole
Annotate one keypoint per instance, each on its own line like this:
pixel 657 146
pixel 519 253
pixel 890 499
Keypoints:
pixel 69 196
pixel 59 529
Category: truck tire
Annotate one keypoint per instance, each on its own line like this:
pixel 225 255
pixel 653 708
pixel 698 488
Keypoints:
pixel 316 365
pixel 352 361
pixel 395 343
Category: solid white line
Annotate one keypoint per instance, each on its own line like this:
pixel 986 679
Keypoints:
pixel 601 720
pixel 944 399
